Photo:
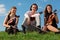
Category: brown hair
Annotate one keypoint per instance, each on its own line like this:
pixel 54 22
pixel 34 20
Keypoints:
pixel 45 11
pixel 12 8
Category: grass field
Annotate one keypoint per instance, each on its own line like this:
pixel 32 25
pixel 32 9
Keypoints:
pixel 30 36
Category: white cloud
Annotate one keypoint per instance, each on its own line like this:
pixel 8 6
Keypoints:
pixel 2 5
pixel 40 7
pixel 2 9
pixel 45 0
pixel 19 4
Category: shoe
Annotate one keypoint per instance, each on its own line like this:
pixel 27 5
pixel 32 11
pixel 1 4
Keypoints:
pixel 23 27
pixel 57 32
pixel 39 26
pixel 40 30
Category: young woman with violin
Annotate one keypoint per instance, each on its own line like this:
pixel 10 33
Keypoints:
pixel 11 21
pixel 50 19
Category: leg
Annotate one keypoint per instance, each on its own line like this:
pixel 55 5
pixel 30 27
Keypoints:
pixel 14 31
pixel 24 24
pixel 9 31
pixel 51 28
pixel 37 18
pixel 6 29
pixel 44 28
pixel 38 27
pixel 24 29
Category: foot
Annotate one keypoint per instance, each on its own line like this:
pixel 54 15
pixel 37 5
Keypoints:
pixel 40 30
pixel 57 32
pixel 23 27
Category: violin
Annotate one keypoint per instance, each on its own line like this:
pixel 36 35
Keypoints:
pixel 51 17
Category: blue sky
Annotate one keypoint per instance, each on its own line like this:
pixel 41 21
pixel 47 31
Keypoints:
pixel 23 6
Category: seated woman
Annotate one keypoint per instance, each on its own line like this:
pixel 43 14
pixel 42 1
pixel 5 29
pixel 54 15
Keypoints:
pixel 11 21
pixel 50 19
pixel 32 19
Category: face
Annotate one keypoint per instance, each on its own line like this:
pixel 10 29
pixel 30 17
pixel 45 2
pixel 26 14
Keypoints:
pixel 13 10
pixel 34 7
pixel 49 9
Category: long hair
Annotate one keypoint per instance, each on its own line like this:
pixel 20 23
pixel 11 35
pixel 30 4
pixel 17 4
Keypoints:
pixel 11 9
pixel 45 11
pixel 32 5
pixel 46 14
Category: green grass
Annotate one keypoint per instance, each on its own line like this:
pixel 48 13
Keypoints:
pixel 30 36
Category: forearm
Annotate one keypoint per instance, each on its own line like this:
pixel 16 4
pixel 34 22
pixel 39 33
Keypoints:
pixel 5 25
pixel 45 21
pixel 56 18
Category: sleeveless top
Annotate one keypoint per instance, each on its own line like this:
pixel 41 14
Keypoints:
pixel 11 21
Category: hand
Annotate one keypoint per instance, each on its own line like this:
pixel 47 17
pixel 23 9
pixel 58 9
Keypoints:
pixel 8 27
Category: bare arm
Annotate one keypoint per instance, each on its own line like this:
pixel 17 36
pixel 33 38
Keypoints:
pixel 45 20
pixel 5 22
pixel 56 18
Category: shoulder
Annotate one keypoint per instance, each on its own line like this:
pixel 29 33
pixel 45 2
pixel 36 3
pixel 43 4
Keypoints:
pixel 37 13
pixel 28 12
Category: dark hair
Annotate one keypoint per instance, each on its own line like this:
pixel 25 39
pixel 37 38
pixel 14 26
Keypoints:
pixel 46 8
pixel 32 5
pixel 46 13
